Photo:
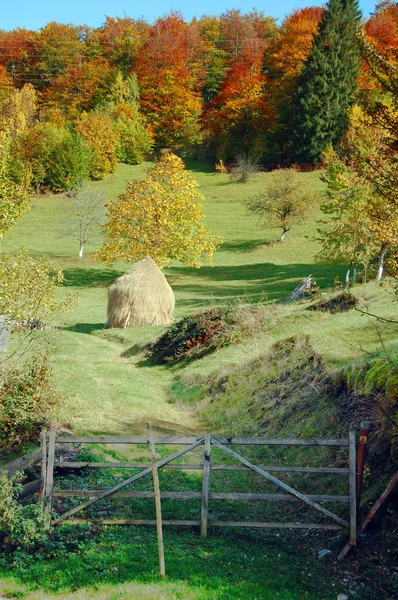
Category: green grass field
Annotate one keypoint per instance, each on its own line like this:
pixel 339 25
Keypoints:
pixel 106 386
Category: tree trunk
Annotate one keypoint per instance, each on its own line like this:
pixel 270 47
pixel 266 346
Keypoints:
pixel 381 264
pixel 354 274
pixel 81 250
pixel 282 238
pixel 347 275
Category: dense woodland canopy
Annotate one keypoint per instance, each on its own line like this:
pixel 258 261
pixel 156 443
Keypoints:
pixel 76 100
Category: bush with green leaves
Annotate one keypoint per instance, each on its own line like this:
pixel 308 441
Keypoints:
pixel 21 526
pixel 58 158
pixel 27 402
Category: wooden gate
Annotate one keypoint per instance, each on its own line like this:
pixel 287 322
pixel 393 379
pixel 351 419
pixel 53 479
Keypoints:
pixel 49 463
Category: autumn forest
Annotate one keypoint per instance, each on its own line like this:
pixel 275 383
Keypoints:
pixel 88 98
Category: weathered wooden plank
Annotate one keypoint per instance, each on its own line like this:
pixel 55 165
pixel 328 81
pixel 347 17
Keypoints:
pixel 281 484
pixel 22 463
pixel 353 491
pixel 190 440
pixel 371 514
pixel 199 467
pixel 107 493
pixel 198 495
pixel 49 478
pixel 158 507
pixel 107 439
pixel 363 441
pixel 205 485
pixel 30 488
pixel 178 523
pixel 124 522
pixel 260 525
pixel 43 442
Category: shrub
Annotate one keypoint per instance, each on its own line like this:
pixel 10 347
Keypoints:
pixel 243 167
pixel 27 401
pixel 20 526
pixel 195 336
pixel 134 139
pixel 58 158
pixel 98 131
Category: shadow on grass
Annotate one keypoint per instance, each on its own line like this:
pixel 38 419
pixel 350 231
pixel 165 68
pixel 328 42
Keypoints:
pixel 84 277
pixel 87 328
pixel 254 282
pixel 247 246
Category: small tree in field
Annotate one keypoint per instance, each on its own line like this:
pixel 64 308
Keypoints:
pixel 85 212
pixel 287 201
pixel 160 217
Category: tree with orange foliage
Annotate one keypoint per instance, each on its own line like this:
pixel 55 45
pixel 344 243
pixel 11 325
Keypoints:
pixel 168 70
pixel 237 117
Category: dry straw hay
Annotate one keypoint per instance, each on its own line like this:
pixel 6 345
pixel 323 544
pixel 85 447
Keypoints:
pixel 142 297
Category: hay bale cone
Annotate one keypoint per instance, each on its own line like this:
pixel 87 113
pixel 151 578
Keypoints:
pixel 142 297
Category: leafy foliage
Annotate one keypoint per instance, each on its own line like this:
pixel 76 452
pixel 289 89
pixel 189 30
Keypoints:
pixel 97 129
pixel 286 201
pixel 21 526
pixel 28 399
pixel 28 287
pixel 14 199
pixel 161 217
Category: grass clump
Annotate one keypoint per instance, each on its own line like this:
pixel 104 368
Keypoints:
pixel 201 334
pixel 279 393
pixel 337 303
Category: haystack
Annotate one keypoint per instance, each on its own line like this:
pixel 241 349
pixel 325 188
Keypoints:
pixel 141 297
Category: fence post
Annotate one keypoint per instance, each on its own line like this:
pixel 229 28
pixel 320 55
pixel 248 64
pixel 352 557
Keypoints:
pixel 158 507
pixel 353 495
pixel 205 485
pixel 43 444
pixel 49 479
pixel 363 440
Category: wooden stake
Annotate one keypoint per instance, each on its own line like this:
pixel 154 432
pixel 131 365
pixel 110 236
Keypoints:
pixel 363 440
pixel 43 443
pixel 353 494
pixel 377 505
pixel 156 489
pixel 49 478
pixel 205 485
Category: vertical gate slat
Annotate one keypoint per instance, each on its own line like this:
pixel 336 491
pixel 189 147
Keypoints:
pixel 49 478
pixel 43 443
pixel 158 506
pixel 353 493
pixel 205 485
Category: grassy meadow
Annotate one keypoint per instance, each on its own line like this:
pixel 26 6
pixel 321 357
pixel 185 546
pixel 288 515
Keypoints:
pixel 107 387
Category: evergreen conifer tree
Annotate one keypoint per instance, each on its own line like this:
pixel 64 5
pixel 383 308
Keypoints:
pixel 328 83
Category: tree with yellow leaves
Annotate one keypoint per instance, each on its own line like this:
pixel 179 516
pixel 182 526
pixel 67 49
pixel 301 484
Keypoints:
pixel 160 217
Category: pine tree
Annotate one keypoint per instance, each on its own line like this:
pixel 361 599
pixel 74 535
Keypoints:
pixel 328 83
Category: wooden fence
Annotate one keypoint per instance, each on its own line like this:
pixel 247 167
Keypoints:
pixel 206 466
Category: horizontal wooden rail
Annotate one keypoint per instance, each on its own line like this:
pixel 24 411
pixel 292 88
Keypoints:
pixel 191 440
pixel 22 463
pixel 250 524
pixel 193 495
pixel 196 467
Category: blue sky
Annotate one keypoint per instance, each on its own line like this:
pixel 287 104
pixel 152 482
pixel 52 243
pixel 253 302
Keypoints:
pixel 33 14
